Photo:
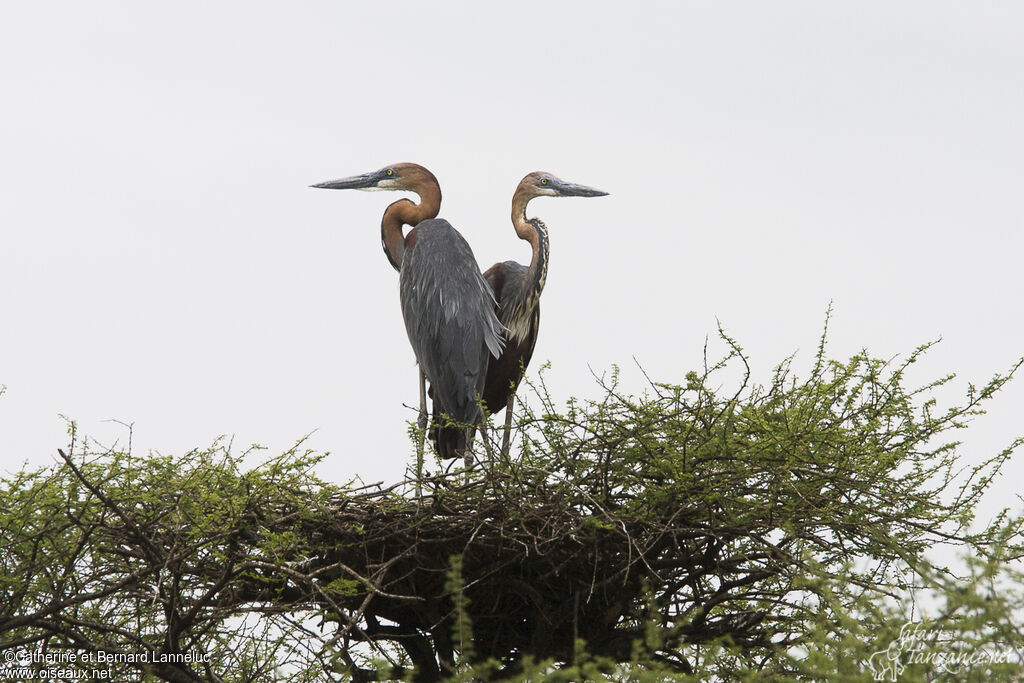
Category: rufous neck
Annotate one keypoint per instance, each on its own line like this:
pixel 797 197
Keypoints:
pixel 534 233
pixel 405 212
pixel 523 228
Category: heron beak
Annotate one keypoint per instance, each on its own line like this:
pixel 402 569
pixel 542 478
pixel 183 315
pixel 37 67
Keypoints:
pixel 366 181
pixel 574 190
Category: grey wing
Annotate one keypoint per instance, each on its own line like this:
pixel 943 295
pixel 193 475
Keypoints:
pixel 521 322
pixel 508 282
pixel 449 316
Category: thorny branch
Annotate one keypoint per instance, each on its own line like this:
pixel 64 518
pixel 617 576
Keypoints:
pixel 698 515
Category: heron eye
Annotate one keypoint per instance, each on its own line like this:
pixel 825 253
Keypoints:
pixel 543 181
pixel 390 172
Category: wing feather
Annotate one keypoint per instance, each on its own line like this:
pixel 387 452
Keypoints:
pixel 449 316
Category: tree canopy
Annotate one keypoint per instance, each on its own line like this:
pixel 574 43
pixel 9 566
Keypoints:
pixel 690 532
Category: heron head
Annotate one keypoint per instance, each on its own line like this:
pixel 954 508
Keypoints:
pixel 404 176
pixel 541 184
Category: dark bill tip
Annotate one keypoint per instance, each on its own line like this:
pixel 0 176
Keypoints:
pixel 575 190
pixel 356 182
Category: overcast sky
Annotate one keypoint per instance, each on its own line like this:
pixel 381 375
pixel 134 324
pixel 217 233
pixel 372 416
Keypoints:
pixel 165 263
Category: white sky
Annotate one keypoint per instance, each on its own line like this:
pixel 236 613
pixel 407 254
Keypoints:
pixel 165 263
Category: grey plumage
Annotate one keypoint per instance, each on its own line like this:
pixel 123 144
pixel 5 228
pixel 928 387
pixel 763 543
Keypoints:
pixel 449 317
pixel 521 287
pixel 449 307
pixel 517 289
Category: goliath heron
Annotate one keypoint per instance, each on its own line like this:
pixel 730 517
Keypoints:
pixel 447 305
pixel 517 290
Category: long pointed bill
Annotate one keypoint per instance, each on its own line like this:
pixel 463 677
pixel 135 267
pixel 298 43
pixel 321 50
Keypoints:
pixel 573 190
pixel 366 181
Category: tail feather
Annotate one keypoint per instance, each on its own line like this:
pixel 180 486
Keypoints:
pixel 449 441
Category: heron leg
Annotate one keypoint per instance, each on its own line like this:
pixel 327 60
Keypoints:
pixel 467 455
pixel 485 436
pixel 421 424
pixel 507 435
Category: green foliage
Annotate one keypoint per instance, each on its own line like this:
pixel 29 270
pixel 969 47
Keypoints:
pixel 803 500
pixel 127 555
pixel 776 532
pixel 462 631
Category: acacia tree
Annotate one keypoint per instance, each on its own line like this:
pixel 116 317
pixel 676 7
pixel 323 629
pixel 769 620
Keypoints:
pixel 777 530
